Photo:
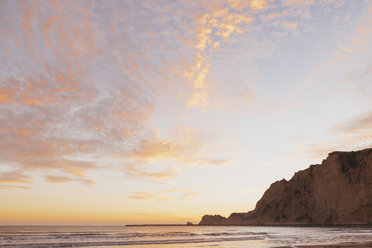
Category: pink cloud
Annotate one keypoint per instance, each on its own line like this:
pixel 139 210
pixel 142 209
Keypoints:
pixel 62 179
pixel 14 177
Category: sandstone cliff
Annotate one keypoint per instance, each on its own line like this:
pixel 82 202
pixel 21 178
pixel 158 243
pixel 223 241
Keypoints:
pixel 338 191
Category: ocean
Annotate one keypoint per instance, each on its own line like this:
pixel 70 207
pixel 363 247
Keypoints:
pixel 176 236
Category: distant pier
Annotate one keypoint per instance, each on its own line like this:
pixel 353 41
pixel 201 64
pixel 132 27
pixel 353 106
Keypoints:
pixel 162 225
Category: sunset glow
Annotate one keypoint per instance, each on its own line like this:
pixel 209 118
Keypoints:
pixel 162 111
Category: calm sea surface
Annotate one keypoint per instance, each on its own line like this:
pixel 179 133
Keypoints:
pixel 184 236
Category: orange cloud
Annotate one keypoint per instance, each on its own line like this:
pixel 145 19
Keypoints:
pixel 291 24
pixel 258 4
pixel 230 24
pixel 66 100
pixel 165 195
pixel 185 148
pixel 73 167
pixel 138 172
pixel 346 49
pixel 57 179
pixel 2 186
pixel 155 149
pixel 199 98
pixel 252 4
pixel 351 143
pixel 353 134
pixel 5 96
pixel 218 21
pixel 188 195
pixel 61 179
pixel 359 124
pixel 147 196
pixel 14 177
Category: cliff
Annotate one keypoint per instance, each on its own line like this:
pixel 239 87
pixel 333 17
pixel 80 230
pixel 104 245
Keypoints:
pixel 338 191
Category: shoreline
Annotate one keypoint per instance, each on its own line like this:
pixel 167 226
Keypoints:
pixel 256 225
pixel 338 245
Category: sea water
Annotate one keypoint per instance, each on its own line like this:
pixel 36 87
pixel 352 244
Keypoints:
pixel 177 236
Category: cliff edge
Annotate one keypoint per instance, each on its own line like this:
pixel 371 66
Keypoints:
pixel 338 191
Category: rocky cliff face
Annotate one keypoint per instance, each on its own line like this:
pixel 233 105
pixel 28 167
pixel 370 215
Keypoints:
pixel 338 191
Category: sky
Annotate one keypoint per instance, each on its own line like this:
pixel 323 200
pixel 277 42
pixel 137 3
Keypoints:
pixel 125 112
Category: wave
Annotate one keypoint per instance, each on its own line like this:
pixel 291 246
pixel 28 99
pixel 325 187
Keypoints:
pixel 60 237
pixel 124 243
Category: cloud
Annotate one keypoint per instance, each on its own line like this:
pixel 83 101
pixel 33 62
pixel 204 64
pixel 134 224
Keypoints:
pixel 357 125
pixel 61 179
pixel 185 147
pixel 167 194
pixel 80 82
pixel 57 179
pixel 8 180
pixel 346 49
pixel 258 4
pixel 352 143
pixel 251 4
pixel 353 134
pixel 291 24
pixel 215 25
pixel 73 93
pixel 137 171
pixel 5 96
pixel 188 195
pixel 355 45
pixel 231 33
pixel 5 186
pixel 147 196
pixel 363 73
pixel 14 177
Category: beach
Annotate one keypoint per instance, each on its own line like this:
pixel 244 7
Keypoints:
pixel 341 245
pixel 183 236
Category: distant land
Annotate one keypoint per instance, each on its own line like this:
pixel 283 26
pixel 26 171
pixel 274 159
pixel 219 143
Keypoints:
pixel 336 192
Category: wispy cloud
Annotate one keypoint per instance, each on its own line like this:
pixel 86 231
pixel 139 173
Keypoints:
pixel 188 195
pixel 138 171
pixel 167 194
pixel 80 81
pixel 6 186
pixel 359 124
pixel 363 73
pixel 14 177
pixel 147 196
pixel 186 149
pixel 346 49
pixel 61 179
pixel 215 24
pixel 353 134
pixel 73 97
pixel 291 24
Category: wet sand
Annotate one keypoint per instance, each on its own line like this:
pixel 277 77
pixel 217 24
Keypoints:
pixel 341 245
